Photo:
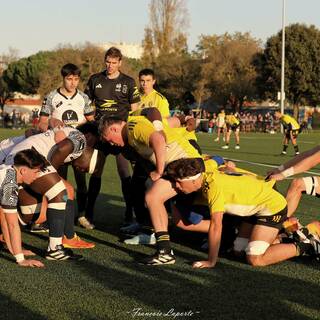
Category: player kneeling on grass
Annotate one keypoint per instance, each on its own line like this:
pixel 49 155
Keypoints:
pixel 26 168
pixel 35 206
pixel 245 195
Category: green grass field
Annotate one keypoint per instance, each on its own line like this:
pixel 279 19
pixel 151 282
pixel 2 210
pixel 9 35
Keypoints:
pixel 110 284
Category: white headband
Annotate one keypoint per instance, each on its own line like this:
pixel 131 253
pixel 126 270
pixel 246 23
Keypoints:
pixel 195 177
pixel 93 161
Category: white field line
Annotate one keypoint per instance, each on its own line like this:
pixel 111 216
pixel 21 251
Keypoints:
pixel 268 165
pixel 275 138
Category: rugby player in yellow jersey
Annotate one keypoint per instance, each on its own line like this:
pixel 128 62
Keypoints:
pixel 292 129
pixel 233 124
pixel 159 148
pixel 254 199
pixel 151 97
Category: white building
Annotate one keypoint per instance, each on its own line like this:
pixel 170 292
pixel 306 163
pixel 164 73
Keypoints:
pixel 130 50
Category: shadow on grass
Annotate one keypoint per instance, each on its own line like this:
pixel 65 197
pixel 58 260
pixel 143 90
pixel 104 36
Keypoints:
pixel 226 292
pixel 10 309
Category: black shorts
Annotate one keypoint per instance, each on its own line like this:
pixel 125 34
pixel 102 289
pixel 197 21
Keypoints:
pixel 274 221
pixel 294 133
pixel 234 128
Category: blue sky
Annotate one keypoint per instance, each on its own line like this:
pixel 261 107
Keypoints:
pixel 34 25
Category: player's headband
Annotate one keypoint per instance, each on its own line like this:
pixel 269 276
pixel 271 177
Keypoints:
pixel 195 177
pixel 93 161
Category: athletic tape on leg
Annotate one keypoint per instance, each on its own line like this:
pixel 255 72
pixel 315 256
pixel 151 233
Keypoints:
pixel 257 248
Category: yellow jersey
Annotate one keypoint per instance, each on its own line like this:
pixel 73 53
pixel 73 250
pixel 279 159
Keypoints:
pixel 156 100
pixel 290 121
pixel 243 195
pixel 232 120
pixel 139 130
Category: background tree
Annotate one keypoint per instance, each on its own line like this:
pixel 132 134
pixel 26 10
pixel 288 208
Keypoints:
pixel 5 60
pixel 165 48
pixel 40 73
pixel 227 71
pixel 302 66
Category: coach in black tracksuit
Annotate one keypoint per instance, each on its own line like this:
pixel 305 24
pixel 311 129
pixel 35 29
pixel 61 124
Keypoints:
pixel 113 94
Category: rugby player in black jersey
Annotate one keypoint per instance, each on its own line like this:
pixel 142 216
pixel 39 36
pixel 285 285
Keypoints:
pixel 114 94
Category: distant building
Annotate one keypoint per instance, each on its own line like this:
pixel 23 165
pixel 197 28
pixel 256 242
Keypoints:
pixel 130 50
pixel 23 103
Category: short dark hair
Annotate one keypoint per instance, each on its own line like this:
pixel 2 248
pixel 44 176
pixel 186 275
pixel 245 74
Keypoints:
pixel 183 168
pixel 30 158
pixel 147 72
pixel 70 69
pixel 107 121
pixel 89 127
pixel 113 52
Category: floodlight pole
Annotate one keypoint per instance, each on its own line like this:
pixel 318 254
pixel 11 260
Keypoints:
pixel 282 94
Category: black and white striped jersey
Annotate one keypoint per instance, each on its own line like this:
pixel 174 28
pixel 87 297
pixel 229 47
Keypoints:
pixel 8 189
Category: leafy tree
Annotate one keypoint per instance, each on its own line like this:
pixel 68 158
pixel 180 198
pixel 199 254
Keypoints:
pixel 5 60
pixel 40 73
pixel 227 72
pixel 302 66
pixel 165 48
pixel 24 75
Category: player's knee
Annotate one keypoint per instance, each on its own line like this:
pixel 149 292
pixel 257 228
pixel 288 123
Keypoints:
pixel 298 185
pixel 255 252
pixel 256 261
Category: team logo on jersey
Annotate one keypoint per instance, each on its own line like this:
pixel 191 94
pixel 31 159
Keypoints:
pixel 59 104
pixel 69 117
pixel 124 89
pixel 118 87
pixel 98 86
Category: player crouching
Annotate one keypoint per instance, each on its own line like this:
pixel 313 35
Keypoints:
pixel 263 208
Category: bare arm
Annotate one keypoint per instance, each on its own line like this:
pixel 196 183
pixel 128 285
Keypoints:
pixel 43 123
pixel 61 152
pixel 158 144
pixel 12 236
pixel 90 117
pixel 214 235
pixel 298 164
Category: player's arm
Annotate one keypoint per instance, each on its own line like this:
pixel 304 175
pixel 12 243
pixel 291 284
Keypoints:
pixel 54 123
pixel 12 236
pixel 298 164
pixel 45 112
pixel 214 237
pixel 157 142
pixel 133 95
pixel 134 106
pixel 154 116
pixel 89 117
pixel 61 152
pixel 88 109
pixel 43 123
